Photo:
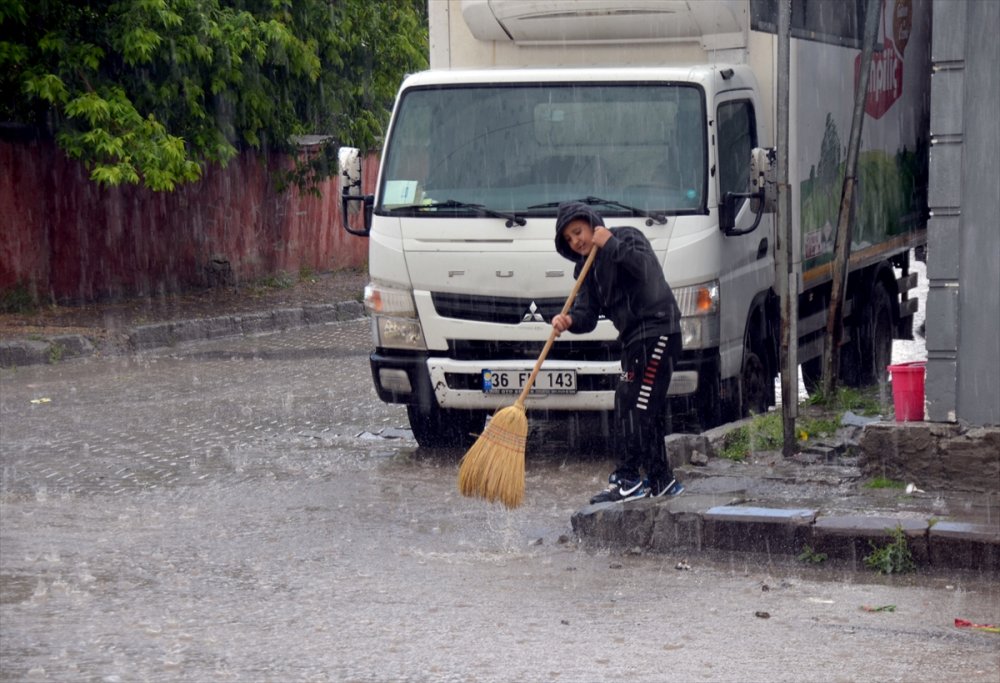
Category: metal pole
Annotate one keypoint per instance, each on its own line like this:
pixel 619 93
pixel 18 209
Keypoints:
pixel 845 219
pixel 787 293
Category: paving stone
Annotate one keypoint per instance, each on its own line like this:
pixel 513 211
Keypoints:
pixel 287 317
pixel 965 545
pixel 150 336
pixel 615 525
pixel 853 537
pixel 255 323
pixel 683 447
pixel 314 314
pixel 69 346
pixel 23 352
pixel 350 310
pixel 678 523
pixel 758 529
pixel 222 326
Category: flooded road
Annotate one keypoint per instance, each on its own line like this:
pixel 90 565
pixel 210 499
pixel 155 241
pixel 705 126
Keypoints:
pixel 247 510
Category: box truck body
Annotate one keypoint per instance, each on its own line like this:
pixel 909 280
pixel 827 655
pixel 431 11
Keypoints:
pixel 650 110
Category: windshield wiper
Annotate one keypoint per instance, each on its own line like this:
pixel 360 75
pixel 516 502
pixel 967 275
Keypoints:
pixel 651 217
pixel 511 218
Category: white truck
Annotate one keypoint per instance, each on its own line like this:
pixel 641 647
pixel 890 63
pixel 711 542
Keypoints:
pixel 650 111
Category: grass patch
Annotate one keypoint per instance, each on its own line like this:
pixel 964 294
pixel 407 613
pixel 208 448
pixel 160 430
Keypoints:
pixel 56 351
pixel 817 427
pixel 767 433
pixel 861 401
pixel 764 433
pixel 894 557
pixel 811 556
pixel 279 280
pixel 884 483
pixel 17 299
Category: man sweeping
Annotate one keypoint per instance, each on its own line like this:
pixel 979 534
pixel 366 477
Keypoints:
pixel 626 285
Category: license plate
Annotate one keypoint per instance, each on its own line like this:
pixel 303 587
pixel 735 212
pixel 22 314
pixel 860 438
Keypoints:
pixel 512 381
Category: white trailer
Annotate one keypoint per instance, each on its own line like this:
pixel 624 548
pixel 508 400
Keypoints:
pixel 650 110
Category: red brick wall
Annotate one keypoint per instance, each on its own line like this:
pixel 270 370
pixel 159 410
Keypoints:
pixel 68 239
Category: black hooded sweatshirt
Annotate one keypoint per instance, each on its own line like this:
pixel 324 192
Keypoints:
pixel 626 282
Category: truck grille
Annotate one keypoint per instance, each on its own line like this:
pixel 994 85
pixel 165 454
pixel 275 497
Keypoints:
pixel 495 309
pixel 518 350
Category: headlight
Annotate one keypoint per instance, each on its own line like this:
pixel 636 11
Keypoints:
pixel 700 333
pixel 399 333
pixel 380 300
pixel 699 306
pixel 394 318
pixel 698 299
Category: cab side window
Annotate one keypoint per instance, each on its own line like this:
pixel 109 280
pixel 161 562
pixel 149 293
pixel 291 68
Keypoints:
pixel 737 137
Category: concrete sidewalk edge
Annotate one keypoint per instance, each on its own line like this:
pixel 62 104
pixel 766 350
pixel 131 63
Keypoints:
pixel 52 349
pixel 696 522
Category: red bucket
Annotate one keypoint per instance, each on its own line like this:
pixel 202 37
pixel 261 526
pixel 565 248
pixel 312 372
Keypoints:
pixel 908 390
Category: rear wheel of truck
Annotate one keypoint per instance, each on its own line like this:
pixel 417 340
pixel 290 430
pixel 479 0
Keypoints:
pixel 866 355
pixel 850 369
pixel 436 427
pixel 876 337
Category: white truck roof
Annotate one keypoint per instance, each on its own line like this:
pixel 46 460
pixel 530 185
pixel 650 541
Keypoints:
pixel 700 74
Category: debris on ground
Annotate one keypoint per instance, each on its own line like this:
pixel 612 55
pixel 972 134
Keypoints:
pixel 964 623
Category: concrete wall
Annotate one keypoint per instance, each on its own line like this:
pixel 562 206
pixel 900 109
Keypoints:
pixel 67 239
pixel 963 262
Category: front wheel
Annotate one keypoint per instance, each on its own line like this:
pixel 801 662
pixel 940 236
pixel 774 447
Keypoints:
pixel 436 427
pixel 756 384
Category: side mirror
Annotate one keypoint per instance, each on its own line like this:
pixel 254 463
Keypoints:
pixel 763 198
pixel 762 178
pixel 352 201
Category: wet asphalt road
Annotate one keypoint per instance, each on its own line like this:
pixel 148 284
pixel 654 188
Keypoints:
pixel 247 510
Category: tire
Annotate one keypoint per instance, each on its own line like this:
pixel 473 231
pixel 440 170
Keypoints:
pixel 708 403
pixel 435 427
pixel 756 384
pixel 864 358
pixel 876 337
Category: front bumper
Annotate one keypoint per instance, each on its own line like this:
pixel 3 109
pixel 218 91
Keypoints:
pixel 457 384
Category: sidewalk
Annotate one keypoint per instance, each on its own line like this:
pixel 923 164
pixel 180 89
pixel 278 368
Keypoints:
pixel 50 334
pixel 818 505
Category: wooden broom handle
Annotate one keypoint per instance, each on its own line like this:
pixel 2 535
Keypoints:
pixel 552 336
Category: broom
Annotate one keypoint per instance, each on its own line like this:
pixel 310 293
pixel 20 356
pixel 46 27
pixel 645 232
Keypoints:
pixel 493 468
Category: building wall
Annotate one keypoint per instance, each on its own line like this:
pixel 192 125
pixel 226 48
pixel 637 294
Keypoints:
pixel 67 239
pixel 963 262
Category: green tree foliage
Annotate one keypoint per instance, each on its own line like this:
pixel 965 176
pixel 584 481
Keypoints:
pixel 150 91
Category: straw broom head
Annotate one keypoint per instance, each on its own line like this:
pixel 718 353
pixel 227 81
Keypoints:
pixel 493 468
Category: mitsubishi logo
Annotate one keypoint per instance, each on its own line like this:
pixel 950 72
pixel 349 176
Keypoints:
pixel 532 316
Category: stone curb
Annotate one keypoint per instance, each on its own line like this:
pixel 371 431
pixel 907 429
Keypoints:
pixel 23 352
pixel 696 522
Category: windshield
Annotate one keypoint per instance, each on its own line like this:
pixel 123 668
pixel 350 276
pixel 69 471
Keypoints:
pixel 509 148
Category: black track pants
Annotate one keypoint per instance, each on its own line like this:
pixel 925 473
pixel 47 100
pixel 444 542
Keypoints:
pixel 640 407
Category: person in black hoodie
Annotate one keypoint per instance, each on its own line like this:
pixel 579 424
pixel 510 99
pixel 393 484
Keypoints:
pixel 626 285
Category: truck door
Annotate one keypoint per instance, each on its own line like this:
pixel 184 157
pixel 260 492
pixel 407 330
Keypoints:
pixel 747 260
